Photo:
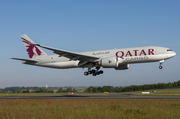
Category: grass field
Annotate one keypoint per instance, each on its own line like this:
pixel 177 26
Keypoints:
pixel 14 94
pixel 174 91
pixel 89 109
pixel 160 94
pixel 163 90
pixel 18 94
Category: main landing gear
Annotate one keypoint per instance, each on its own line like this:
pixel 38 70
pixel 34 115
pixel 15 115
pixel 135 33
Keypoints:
pixel 161 62
pixel 93 72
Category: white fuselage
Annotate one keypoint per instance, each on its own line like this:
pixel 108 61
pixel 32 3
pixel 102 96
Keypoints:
pixel 119 59
pixel 124 56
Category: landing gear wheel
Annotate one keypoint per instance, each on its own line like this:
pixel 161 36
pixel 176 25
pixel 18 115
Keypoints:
pixel 94 74
pixel 89 72
pixel 93 71
pixel 85 73
pixel 97 73
pixel 101 72
pixel 160 67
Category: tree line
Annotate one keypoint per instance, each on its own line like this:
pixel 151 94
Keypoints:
pixel 92 89
pixel 131 88
pixel 37 90
pixel 62 90
pixel 20 89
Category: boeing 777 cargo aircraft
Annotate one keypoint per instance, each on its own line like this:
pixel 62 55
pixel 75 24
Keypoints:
pixel 119 59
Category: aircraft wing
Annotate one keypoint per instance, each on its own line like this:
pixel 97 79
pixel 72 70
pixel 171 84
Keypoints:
pixel 71 55
pixel 26 60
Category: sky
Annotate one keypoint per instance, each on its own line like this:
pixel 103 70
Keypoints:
pixel 88 25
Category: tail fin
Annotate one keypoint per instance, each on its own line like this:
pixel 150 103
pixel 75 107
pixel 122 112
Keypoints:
pixel 32 50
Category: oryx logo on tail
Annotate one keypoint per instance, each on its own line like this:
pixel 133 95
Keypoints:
pixel 32 50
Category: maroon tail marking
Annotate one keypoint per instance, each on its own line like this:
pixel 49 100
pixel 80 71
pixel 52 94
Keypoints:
pixel 30 48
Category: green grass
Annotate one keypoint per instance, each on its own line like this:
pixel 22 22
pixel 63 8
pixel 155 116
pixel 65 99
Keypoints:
pixel 160 94
pixel 17 94
pixel 163 90
pixel 89 109
pixel 173 91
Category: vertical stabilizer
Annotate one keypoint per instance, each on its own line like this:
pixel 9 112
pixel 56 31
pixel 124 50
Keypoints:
pixel 32 50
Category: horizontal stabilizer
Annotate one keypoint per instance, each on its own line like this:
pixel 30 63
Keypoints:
pixel 28 60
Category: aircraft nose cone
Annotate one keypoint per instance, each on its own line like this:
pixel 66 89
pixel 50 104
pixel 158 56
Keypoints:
pixel 172 54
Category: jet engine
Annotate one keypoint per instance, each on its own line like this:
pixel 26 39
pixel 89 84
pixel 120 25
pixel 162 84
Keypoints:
pixel 113 62
pixel 110 62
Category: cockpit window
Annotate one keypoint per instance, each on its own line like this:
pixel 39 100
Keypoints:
pixel 169 50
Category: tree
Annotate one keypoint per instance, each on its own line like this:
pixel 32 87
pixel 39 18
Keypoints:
pixel 94 90
pixel 69 89
pixel 60 90
pixel 25 91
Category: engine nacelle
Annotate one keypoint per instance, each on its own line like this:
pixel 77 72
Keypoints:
pixel 110 62
pixel 122 67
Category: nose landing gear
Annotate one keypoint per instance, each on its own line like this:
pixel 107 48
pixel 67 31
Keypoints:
pixel 161 62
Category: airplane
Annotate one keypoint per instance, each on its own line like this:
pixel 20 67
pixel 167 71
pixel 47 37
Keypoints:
pixel 119 59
